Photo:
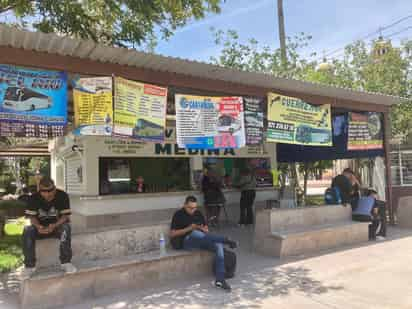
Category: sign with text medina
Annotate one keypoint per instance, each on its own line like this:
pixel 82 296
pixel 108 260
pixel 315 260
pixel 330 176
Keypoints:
pixel 209 122
pixel 33 103
pixel 93 106
pixel 365 131
pixel 253 120
pixel 139 110
pixel 293 121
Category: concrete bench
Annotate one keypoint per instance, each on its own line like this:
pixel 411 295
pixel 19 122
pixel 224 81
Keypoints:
pixel 104 243
pixel 404 212
pixel 289 232
pixel 110 276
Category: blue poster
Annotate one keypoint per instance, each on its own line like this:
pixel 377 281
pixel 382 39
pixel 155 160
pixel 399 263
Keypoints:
pixel 33 103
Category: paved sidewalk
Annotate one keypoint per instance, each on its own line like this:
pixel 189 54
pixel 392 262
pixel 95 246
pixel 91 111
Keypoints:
pixel 375 275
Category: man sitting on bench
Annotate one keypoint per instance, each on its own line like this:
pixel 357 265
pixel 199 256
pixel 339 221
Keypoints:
pixel 49 212
pixel 370 209
pixel 189 231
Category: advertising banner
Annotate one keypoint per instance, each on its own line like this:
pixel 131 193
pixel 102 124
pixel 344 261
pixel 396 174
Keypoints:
pixel 93 106
pixel 365 131
pixel 33 103
pixel 209 122
pixel 139 110
pixel 293 121
pixel 253 120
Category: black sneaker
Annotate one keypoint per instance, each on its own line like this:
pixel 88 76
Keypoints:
pixel 222 284
pixel 231 243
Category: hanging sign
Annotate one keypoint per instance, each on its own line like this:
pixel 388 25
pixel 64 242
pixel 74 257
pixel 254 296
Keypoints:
pixel 93 106
pixel 365 131
pixel 209 122
pixel 253 120
pixel 33 103
pixel 139 110
pixel 293 121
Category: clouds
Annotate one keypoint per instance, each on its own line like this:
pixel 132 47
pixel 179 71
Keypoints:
pixel 226 16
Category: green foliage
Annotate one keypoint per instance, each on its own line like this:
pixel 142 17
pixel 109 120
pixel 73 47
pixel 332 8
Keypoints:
pixel 359 69
pixel 11 255
pixel 251 56
pixel 115 22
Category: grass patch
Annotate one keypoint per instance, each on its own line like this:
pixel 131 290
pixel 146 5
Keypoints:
pixel 315 200
pixel 11 254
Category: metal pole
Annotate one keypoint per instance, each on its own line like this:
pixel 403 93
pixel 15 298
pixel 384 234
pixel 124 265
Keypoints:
pixel 282 37
pixel 386 142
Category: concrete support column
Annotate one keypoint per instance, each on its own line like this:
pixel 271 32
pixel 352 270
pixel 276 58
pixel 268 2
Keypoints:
pixel 90 166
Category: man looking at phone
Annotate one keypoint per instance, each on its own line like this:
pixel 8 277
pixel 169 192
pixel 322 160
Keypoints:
pixel 189 231
pixel 49 213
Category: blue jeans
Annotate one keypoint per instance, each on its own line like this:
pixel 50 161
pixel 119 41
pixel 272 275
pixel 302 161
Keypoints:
pixel 30 234
pixel 214 243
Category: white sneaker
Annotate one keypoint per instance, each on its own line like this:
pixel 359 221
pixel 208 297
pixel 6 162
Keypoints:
pixel 380 238
pixel 68 268
pixel 27 272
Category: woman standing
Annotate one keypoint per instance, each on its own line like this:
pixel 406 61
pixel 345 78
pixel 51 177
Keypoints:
pixel 247 185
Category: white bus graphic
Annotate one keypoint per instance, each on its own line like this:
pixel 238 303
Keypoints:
pixel 24 99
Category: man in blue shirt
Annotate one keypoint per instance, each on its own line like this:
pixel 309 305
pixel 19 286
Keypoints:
pixel 370 209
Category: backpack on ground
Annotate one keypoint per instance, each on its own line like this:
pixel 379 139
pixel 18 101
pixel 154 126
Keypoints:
pixel 333 196
pixel 230 264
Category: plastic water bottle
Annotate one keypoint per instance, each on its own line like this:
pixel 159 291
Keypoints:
pixel 162 244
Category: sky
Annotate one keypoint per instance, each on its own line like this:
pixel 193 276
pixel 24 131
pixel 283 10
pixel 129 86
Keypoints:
pixel 331 23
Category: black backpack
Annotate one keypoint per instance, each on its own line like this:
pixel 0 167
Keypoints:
pixel 230 264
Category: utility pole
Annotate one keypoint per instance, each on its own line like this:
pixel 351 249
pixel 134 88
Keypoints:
pixel 282 37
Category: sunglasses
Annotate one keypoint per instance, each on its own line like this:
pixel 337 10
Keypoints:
pixel 48 190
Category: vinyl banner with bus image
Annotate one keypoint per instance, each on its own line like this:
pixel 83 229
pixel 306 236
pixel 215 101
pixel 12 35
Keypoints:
pixel 33 103
pixel 209 122
pixel 139 110
pixel 93 106
pixel 293 121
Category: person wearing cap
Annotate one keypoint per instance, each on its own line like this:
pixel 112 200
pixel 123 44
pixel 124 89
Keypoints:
pixel 370 209
pixel 49 214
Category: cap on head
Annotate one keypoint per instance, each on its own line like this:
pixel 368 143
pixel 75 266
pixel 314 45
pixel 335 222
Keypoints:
pixel 372 191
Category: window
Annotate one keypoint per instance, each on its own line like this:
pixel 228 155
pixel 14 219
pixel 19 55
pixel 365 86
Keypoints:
pixel 119 175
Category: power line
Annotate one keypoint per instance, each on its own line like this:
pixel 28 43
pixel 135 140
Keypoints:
pixel 386 37
pixel 398 32
pixel 367 36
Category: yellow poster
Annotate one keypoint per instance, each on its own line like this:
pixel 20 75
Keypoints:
pixel 93 106
pixel 293 121
pixel 139 110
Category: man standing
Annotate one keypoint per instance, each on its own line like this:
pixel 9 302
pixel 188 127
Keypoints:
pixel 189 231
pixel 49 213
pixel 247 184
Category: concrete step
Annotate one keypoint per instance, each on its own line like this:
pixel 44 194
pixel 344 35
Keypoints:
pixel 103 243
pixel 313 239
pixel 105 277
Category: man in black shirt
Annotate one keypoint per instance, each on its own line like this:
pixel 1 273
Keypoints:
pixel 348 186
pixel 189 231
pixel 49 211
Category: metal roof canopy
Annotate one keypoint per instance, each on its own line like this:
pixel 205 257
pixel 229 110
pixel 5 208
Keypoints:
pixel 50 51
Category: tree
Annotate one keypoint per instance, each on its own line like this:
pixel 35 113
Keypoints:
pixel 114 22
pixel 359 69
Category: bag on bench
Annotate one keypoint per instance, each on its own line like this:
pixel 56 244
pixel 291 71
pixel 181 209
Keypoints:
pixel 230 264
pixel 333 196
